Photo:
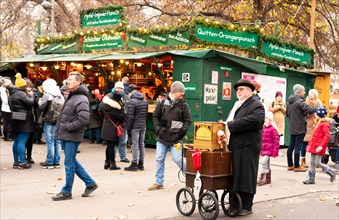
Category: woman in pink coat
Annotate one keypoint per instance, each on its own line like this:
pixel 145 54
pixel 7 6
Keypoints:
pixel 317 146
pixel 270 148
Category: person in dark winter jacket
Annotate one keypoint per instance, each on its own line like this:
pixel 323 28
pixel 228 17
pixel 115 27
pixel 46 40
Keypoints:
pixel 317 146
pixel 270 148
pixel 171 119
pixel 20 100
pixel 70 129
pixel 245 124
pixel 114 115
pixel 136 128
pixel 38 93
pixel 95 123
pixel 296 112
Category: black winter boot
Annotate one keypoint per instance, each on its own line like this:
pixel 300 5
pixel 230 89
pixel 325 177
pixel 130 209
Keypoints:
pixel 107 163
pixel 141 165
pixel 132 167
pixel 311 176
pixel 113 166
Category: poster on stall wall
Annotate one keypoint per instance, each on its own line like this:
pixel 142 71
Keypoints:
pixel 210 94
pixel 269 86
pixel 226 90
pixel 215 77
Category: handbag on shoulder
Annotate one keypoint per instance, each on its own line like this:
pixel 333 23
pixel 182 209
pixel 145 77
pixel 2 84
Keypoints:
pixel 19 116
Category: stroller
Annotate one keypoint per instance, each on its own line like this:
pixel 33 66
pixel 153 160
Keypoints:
pixel 333 143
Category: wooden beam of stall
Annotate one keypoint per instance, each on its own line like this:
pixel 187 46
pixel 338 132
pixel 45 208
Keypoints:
pixel 54 73
pixel 13 66
pixel 161 73
pixel 103 72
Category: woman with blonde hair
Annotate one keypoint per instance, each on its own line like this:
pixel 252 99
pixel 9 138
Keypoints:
pixel 313 101
pixel 279 110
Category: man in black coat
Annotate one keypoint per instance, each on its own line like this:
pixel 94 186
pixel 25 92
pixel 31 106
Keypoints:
pixel 70 129
pixel 245 124
pixel 171 119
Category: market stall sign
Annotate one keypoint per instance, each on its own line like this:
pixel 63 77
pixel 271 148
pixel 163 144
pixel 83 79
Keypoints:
pixel 190 88
pixel 70 46
pixel 100 42
pixel 216 35
pixel 286 52
pixel 44 49
pixel 229 69
pixel 154 40
pixel 101 18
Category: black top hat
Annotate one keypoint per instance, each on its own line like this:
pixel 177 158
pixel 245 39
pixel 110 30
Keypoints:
pixel 244 82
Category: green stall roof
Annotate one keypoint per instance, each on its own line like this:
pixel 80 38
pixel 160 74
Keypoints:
pixel 32 58
pixel 130 56
pixel 256 66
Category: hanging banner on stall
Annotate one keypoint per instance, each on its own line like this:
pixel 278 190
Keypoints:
pixel 215 35
pixel 43 49
pixel 269 86
pixel 179 38
pixel 101 42
pixel 137 40
pixel 210 94
pixel 226 90
pixel 156 40
pixel 288 53
pixel 100 17
pixel 70 46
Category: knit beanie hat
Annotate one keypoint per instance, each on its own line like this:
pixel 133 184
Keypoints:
pixel 278 94
pixel 37 82
pixel 19 81
pixel 177 86
pixel 131 88
pixel 321 112
pixel 119 84
pixel 297 89
pixel 314 91
pixel 269 115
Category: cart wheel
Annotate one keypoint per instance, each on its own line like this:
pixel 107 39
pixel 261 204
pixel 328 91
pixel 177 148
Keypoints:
pixel 185 201
pixel 212 191
pixel 226 197
pixel 208 206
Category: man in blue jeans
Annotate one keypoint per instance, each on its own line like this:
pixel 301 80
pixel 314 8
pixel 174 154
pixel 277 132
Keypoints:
pixel 171 119
pixel 70 129
pixel 296 112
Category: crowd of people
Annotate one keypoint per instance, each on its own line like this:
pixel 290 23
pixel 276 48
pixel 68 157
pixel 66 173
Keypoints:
pixel 120 114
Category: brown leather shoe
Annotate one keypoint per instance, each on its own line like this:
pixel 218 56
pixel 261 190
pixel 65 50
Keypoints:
pixel 155 186
pixel 303 163
pixel 300 169
pixel 290 168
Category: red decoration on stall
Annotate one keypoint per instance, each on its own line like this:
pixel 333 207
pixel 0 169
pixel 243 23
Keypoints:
pixel 81 39
pixel 123 36
pixel 196 106
pixel 226 74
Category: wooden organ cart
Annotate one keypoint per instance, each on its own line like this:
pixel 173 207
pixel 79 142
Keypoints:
pixel 215 173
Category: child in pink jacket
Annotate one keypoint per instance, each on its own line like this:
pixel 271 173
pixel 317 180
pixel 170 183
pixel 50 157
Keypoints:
pixel 270 148
pixel 317 146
